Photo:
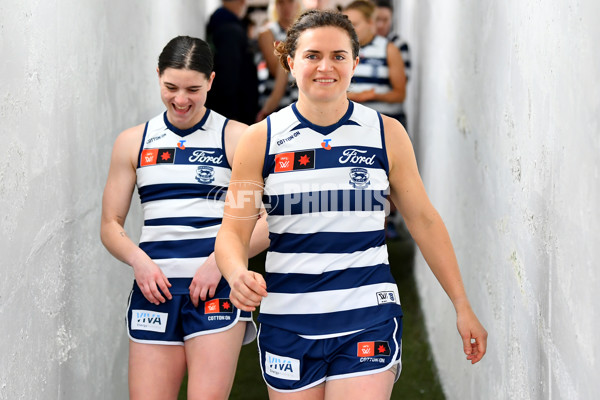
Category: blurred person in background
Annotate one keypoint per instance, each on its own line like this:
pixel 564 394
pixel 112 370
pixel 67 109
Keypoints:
pixel 384 17
pixel 235 91
pixel 282 14
pixel 379 81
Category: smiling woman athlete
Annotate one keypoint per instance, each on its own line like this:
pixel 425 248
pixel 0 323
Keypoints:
pixel 331 320
pixel 179 314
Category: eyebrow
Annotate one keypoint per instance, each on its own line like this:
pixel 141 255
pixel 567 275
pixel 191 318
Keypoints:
pixel 189 87
pixel 318 51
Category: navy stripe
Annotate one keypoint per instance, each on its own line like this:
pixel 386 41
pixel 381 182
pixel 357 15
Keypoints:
pixel 166 191
pixel 189 248
pixel 349 278
pixel 268 160
pixel 371 80
pixel 205 156
pixel 386 161
pixel 139 161
pixel 342 157
pixel 326 242
pixel 226 161
pixel 194 222
pixel 326 200
pixel 318 324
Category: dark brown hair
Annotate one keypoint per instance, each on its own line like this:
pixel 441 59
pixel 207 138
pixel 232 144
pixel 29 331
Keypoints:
pixel 309 20
pixel 185 52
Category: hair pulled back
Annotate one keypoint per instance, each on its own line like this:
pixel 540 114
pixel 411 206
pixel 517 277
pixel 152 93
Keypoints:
pixel 185 52
pixel 309 20
pixel 365 7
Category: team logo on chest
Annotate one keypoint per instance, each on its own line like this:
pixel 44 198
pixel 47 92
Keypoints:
pixel 205 174
pixel 359 178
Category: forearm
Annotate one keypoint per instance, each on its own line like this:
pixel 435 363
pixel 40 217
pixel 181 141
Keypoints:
pixel 117 242
pixel 433 240
pixel 231 253
pixel 393 96
pixel 260 237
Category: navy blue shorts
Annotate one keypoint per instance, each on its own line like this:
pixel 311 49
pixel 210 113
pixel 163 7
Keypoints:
pixel 177 320
pixel 291 362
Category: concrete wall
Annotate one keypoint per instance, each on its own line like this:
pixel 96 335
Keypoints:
pixel 504 105
pixel 73 75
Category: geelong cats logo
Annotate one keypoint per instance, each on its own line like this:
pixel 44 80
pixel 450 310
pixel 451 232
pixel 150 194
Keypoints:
pixel 359 178
pixel 205 174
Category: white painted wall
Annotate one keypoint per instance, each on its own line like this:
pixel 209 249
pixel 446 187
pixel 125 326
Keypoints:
pixel 505 108
pixel 73 75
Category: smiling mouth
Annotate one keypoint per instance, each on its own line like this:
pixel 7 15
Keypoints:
pixel 325 80
pixel 181 110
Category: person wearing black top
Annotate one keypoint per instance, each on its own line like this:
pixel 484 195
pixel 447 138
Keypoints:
pixel 235 89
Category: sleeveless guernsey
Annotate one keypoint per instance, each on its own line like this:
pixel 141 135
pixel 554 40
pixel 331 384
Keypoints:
pixel 181 175
pixel 327 269
pixel 372 73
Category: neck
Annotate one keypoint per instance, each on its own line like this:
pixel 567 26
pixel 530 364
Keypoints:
pixel 235 6
pixel 323 114
pixel 367 40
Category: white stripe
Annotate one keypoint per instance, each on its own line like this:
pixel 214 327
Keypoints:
pixel 177 232
pixel 305 263
pixel 180 267
pixel 306 138
pixel 318 180
pixel 159 174
pixel 366 71
pixel 326 301
pixel 327 221
pixel 173 208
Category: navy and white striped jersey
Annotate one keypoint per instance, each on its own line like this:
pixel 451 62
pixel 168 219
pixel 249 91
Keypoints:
pixel 402 45
pixel 327 269
pixel 372 72
pixel 181 178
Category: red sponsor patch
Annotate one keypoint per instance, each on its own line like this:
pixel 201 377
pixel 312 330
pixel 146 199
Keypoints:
pixel 211 306
pixel 284 162
pixel 218 306
pixel 370 349
pixel 366 349
pixel 149 157
pixel 293 161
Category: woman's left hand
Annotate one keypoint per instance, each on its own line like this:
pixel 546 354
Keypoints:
pixel 473 334
pixel 205 282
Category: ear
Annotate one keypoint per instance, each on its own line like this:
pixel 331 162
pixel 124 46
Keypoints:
pixel 356 61
pixel 211 78
pixel 158 72
pixel 290 62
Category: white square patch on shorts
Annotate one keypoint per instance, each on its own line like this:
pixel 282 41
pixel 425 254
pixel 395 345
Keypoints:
pixel 145 320
pixel 282 367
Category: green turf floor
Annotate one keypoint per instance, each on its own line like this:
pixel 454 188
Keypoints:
pixel 418 379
